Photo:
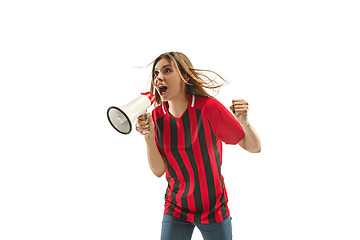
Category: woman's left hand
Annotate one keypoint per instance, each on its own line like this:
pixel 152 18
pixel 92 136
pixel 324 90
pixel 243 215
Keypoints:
pixel 240 108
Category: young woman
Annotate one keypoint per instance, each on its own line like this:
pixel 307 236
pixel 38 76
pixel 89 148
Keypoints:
pixel 184 136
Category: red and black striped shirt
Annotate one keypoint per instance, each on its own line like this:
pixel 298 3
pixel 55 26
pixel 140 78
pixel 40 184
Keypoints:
pixel 192 148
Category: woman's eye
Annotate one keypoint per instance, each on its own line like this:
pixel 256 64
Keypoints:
pixel 156 73
pixel 167 70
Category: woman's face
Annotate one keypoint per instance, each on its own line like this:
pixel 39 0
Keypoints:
pixel 168 82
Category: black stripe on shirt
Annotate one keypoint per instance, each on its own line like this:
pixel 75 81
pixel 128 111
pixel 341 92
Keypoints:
pixel 207 166
pixel 191 156
pixel 218 163
pixel 175 187
pixel 217 155
pixel 175 152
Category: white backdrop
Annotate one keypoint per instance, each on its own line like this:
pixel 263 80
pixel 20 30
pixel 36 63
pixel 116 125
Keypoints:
pixel 66 174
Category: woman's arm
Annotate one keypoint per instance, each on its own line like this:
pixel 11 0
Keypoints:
pixel 156 161
pixel 146 127
pixel 251 141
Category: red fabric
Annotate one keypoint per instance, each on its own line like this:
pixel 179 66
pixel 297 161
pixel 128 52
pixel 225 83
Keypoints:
pixel 192 148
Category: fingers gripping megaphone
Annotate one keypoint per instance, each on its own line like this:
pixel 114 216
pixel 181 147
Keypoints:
pixel 122 118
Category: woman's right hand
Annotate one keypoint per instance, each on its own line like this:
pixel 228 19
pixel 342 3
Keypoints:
pixel 145 125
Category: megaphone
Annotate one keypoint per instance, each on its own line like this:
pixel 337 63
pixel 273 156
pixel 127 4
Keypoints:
pixel 122 118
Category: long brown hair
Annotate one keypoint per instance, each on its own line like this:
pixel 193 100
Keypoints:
pixel 195 79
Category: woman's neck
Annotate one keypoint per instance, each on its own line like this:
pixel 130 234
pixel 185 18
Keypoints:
pixel 178 105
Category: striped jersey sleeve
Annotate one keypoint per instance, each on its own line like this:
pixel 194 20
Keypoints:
pixel 223 123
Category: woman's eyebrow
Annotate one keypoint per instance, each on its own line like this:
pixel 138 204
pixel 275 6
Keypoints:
pixel 168 65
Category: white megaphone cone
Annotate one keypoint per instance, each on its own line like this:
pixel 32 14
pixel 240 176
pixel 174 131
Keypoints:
pixel 122 118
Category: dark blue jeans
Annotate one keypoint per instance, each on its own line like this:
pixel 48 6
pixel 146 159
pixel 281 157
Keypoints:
pixel 177 229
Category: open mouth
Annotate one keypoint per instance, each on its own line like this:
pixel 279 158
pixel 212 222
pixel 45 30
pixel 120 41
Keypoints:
pixel 162 90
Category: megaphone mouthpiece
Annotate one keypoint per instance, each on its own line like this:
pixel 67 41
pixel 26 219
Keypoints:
pixel 150 95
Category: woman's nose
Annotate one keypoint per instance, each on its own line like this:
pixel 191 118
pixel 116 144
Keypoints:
pixel 159 78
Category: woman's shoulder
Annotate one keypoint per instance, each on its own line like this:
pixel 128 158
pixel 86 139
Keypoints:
pixel 210 106
pixel 207 102
pixel 158 111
